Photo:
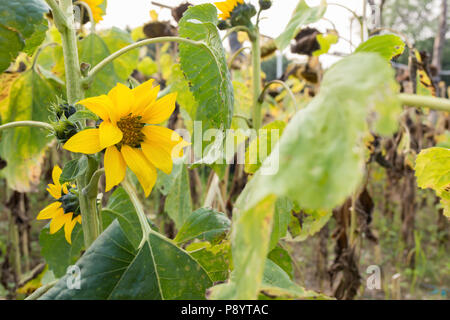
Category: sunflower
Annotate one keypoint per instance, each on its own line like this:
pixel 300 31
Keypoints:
pixel 65 211
pixel 129 135
pixel 227 7
pixel 97 12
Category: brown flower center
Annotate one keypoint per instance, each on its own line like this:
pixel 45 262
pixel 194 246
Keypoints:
pixel 131 127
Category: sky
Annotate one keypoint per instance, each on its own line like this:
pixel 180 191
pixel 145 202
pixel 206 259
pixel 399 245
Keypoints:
pixel 134 13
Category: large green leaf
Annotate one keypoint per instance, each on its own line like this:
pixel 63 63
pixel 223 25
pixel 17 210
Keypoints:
pixel 113 269
pixel 214 258
pixel 281 219
pixel 204 224
pixel 302 16
pixel 250 237
pixel 282 258
pixel 388 46
pixel 178 202
pixel 115 40
pixel 206 70
pixel 20 20
pixel 23 148
pixel 433 171
pixel 58 253
pixel 93 49
pixel 308 224
pixel 321 152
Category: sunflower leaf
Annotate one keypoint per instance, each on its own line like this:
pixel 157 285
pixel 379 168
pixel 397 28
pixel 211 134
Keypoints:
pixel 113 269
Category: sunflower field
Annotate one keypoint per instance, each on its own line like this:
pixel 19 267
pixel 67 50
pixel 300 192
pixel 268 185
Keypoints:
pixel 198 158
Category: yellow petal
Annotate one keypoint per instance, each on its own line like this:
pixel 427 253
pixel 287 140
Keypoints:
pixel 65 188
pixel 123 99
pixel 49 211
pixel 115 167
pixel 58 221
pixel 68 227
pixel 78 219
pixel 142 168
pixel 99 105
pixel 166 139
pixel 86 141
pixel 144 95
pixel 55 191
pixel 56 173
pixel 160 157
pixel 160 110
pixel 109 134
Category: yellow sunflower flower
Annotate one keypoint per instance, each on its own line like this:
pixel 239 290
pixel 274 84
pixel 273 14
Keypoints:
pixel 129 135
pixel 227 7
pixel 63 212
pixel 97 12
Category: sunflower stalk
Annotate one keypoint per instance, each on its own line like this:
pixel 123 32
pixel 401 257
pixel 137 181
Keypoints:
pixel 255 37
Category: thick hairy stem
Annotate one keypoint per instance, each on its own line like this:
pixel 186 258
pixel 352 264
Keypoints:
pixel 256 66
pixel 139 44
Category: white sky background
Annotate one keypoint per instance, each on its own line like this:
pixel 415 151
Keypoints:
pixel 134 13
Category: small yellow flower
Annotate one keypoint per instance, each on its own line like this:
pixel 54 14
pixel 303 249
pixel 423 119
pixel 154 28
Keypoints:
pixel 97 12
pixel 56 211
pixel 128 134
pixel 227 7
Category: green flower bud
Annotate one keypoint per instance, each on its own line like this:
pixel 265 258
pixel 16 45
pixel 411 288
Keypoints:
pixel 64 130
pixel 265 4
pixel 242 14
pixel 223 25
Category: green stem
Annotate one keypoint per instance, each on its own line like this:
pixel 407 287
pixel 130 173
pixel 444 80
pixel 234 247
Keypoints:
pixel 414 100
pixel 146 230
pixel 34 124
pixel 256 65
pixel 89 11
pixel 91 190
pixel 139 44
pixel 42 290
pixel 70 50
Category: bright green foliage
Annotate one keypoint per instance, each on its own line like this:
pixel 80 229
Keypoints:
pixel 115 40
pixel 250 243
pixel 93 49
pixel 433 171
pixel 276 282
pixel 21 26
pixel 206 70
pixel 113 269
pixel 325 42
pixel 282 258
pixel 302 16
pixel 204 224
pixel 147 66
pixel 281 219
pixel 120 207
pixel 215 259
pixel 178 202
pixel 262 146
pixel 321 151
pixel 388 46
pixel 58 253
pixel 73 169
pixel 29 99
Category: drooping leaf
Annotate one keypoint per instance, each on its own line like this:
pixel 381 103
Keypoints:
pixel 113 269
pixel 204 224
pixel 321 152
pixel 282 258
pixel 325 42
pixel 38 36
pixel 276 282
pixel 23 148
pixel 281 219
pixel 19 20
pixel 214 258
pixel 115 39
pixel 58 253
pixel 433 171
pixel 178 202
pixel 302 16
pixel 73 169
pixel 388 46
pixel 93 49
pixel 206 70
pixel 250 237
